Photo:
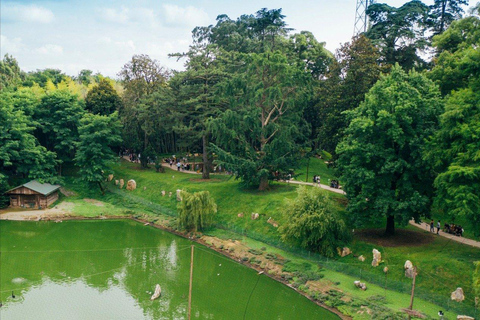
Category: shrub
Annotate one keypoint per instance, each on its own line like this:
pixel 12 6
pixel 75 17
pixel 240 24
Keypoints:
pixel 313 222
pixel 196 211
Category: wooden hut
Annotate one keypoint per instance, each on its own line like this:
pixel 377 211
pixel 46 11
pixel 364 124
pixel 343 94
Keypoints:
pixel 33 195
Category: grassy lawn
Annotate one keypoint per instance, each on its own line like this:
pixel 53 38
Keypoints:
pixel 317 167
pixel 442 265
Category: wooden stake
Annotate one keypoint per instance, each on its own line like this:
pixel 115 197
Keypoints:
pixel 190 289
pixel 413 290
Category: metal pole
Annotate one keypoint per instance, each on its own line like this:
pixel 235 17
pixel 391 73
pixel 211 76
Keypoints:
pixel 190 289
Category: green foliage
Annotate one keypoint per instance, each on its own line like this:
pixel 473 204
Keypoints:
pixel 380 159
pixel 58 116
pixel 43 77
pixel 196 211
pixel 313 223
pixel 454 149
pixel 200 96
pixel 20 152
pixel 444 12
pixel 97 135
pixel 10 73
pixel 399 32
pixel 263 130
pixel 356 69
pixel 102 99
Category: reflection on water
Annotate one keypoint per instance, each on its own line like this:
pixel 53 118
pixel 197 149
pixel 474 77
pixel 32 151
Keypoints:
pixel 109 269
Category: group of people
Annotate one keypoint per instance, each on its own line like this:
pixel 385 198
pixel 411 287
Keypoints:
pixel 316 179
pixel 181 164
pixel 448 228
pixel 453 229
pixel 432 226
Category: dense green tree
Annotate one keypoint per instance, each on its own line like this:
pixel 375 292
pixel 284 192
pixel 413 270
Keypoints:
pixel 356 69
pixel 85 76
pixel 10 73
pixel 103 99
pixel 20 153
pixel 313 222
pixel 199 89
pixel 454 149
pixel 264 31
pixel 304 48
pixel 42 77
pixel 97 135
pixel 142 76
pixel 262 131
pixel 458 64
pixel 399 33
pixel 380 158
pixel 196 211
pixel 58 116
pixel 444 12
pixel 149 125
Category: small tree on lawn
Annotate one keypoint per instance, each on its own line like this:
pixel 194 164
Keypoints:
pixel 97 135
pixel 312 222
pixel 196 211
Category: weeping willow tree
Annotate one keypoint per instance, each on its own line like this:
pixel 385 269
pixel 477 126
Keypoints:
pixel 313 223
pixel 196 211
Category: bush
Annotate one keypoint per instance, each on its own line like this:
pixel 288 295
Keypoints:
pixel 255 252
pixel 196 211
pixel 313 223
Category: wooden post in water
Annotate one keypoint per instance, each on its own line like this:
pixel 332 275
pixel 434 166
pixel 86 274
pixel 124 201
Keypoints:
pixel 190 289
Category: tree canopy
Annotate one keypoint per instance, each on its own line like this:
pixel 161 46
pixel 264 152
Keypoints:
pixel 380 158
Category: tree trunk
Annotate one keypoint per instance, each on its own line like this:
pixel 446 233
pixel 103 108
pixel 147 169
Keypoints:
pixel 390 226
pixel 101 188
pixel 263 184
pixel 206 167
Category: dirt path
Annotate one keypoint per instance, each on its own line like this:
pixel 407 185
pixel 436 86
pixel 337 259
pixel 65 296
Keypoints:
pixel 426 227
pixel 59 211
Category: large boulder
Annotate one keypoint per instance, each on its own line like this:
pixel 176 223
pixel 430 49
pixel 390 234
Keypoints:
pixel 179 195
pixel 360 285
pixel 408 265
pixel 460 317
pixel 110 177
pixel 131 185
pixel 344 251
pixel 458 295
pixel 409 271
pixel 117 182
pixel 121 183
pixel 377 257
pixel 163 193
pixel 361 258
pixel 255 216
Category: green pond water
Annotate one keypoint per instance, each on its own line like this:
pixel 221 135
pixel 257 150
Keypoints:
pixel 108 270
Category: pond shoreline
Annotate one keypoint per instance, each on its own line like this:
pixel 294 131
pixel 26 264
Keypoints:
pixel 200 240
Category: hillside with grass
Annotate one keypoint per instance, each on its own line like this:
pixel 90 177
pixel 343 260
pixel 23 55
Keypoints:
pixel 442 264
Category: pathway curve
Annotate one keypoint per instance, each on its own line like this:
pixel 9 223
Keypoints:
pixel 422 225
pixel 426 227
pixel 323 186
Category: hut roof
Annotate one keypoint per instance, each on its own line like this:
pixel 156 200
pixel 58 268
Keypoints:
pixel 42 188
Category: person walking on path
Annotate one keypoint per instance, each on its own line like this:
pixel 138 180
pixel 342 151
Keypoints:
pixel 432 229
pixel 438 226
